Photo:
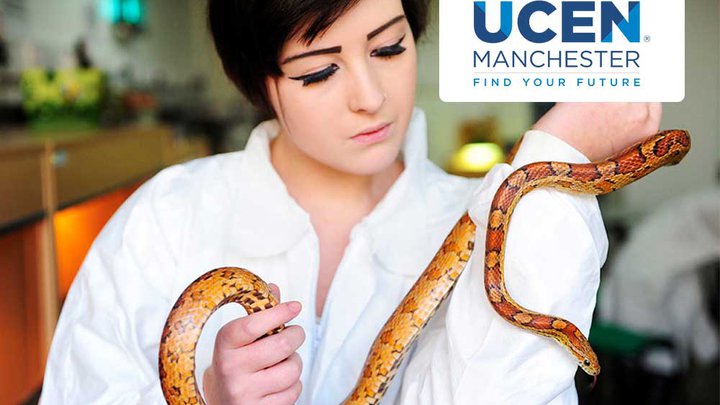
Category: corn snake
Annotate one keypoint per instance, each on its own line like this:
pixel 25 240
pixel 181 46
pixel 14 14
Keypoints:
pixel 229 284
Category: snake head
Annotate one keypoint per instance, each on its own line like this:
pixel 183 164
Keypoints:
pixel 576 343
pixel 588 361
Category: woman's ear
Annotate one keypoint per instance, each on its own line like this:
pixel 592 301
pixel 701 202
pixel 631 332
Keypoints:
pixel 271 87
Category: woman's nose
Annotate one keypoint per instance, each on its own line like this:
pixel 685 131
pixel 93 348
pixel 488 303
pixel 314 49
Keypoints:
pixel 366 91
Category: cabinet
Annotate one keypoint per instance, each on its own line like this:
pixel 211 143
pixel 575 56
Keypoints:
pixel 20 183
pixel 40 175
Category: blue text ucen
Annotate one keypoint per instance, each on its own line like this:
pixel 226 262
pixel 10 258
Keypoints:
pixel 609 15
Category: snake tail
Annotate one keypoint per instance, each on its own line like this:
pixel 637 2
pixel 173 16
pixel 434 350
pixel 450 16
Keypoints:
pixel 410 317
pixel 664 148
pixel 189 315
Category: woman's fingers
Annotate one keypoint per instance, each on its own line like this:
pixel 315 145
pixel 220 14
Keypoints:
pixel 282 375
pixel 275 290
pixel 273 349
pixel 287 397
pixel 243 331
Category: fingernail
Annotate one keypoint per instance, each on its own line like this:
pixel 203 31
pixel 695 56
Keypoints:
pixel 294 306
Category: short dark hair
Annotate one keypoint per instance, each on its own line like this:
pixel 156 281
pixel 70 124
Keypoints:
pixel 249 35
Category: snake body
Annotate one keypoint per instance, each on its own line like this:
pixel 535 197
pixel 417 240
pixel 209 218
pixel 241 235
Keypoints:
pixel 217 287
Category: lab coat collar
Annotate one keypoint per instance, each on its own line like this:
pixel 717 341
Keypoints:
pixel 269 221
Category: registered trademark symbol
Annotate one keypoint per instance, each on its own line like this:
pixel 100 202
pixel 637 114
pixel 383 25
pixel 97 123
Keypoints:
pixel 646 38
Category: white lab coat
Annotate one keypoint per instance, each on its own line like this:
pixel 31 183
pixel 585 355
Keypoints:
pixel 234 210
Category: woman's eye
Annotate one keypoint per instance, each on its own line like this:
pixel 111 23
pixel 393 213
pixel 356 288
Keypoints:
pixel 389 51
pixel 317 76
pixel 384 52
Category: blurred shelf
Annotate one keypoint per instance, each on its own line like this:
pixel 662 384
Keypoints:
pixel 93 165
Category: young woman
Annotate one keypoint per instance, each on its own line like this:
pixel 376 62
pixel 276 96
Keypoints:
pixel 336 203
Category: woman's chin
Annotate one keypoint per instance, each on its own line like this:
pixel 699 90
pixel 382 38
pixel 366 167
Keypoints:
pixel 372 164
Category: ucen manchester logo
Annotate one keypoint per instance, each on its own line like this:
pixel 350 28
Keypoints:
pixel 609 15
pixel 562 50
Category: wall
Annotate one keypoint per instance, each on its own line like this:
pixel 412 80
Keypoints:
pixel 699 113
pixel 206 60
pixel 165 50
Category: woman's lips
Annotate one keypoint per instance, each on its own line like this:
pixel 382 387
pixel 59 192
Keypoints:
pixel 373 136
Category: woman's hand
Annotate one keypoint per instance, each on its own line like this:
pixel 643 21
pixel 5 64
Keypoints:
pixel 599 130
pixel 266 371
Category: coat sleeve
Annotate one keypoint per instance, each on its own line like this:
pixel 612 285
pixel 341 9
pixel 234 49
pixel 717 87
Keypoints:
pixel 105 346
pixel 556 245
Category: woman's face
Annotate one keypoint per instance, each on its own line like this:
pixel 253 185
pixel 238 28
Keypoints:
pixel 336 92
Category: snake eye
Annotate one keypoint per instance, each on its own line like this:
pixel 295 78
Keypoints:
pixel 586 362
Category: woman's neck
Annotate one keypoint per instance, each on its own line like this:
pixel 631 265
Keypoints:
pixel 319 188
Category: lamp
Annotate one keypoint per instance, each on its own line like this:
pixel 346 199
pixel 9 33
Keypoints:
pixel 476 159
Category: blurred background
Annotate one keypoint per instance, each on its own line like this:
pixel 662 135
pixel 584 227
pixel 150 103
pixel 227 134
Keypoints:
pixel 98 95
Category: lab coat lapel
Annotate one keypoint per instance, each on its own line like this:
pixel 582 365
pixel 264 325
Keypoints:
pixel 399 224
pixel 351 291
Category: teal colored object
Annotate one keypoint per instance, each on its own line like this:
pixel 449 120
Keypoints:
pixel 130 12
pixel 612 339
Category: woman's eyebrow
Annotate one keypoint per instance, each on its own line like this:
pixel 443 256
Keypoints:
pixel 338 49
pixel 334 49
pixel 385 26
